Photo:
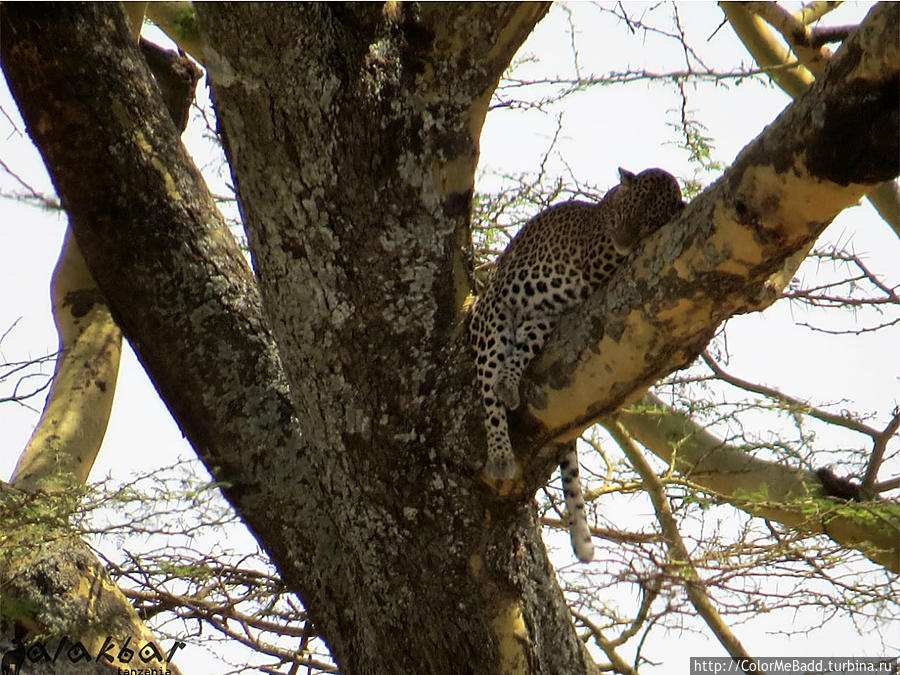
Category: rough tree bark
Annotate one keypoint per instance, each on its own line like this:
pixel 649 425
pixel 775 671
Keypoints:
pixel 330 388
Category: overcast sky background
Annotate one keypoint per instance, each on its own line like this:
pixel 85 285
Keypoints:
pixel 603 128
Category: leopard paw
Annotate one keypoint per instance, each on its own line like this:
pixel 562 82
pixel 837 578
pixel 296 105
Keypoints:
pixel 507 392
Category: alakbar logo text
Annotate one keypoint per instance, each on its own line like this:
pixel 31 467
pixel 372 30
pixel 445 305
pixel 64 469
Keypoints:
pixel 21 655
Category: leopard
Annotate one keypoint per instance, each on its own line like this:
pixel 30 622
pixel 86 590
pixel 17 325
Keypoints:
pixel 556 260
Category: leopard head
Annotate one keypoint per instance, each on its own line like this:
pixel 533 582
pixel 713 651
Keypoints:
pixel 640 204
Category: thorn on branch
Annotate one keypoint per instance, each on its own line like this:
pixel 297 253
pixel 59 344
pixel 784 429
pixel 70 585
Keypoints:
pixel 625 18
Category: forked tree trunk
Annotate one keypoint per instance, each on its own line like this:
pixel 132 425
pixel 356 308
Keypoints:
pixel 368 498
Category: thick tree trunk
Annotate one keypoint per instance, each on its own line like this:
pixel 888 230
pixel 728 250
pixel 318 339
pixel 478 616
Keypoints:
pixel 357 215
pixel 376 515
pixel 352 132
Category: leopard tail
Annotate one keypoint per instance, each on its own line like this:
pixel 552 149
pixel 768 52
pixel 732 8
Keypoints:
pixel 579 531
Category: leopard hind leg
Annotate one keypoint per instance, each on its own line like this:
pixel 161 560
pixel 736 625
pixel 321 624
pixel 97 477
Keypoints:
pixel 501 463
pixel 529 337
pixel 493 337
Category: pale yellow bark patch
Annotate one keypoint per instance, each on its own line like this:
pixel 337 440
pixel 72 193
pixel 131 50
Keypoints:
pixel 791 199
pixel 476 565
pixel 737 244
pixel 512 636
pixel 67 438
pixel 455 175
pixel 171 190
pixel 84 592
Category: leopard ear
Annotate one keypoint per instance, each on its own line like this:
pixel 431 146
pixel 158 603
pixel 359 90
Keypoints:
pixel 625 176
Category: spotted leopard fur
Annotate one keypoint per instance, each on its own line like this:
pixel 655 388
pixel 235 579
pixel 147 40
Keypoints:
pixel 555 261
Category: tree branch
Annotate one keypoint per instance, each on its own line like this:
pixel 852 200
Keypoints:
pixel 179 22
pixel 794 31
pixel 717 258
pixel 769 53
pixel 140 212
pixel 789 402
pixel 881 439
pixel 766 49
pixel 815 10
pixel 678 552
pixel 766 489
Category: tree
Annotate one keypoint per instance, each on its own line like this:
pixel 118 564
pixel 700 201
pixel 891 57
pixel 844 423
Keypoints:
pixel 329 389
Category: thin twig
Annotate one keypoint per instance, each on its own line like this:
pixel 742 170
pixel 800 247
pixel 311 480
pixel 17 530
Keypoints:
pixel 881 441
pixel 696 589
pixel 617 662
pixel 789 402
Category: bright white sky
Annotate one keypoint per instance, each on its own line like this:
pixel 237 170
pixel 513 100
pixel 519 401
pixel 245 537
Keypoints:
pixel 606 127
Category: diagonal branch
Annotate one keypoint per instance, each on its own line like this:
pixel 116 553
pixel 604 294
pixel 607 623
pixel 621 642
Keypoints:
pixel 880 447
pixel 789 402
pixel 61 452
pixel 718 257
pixel 197 328
pixel 608 646
pixel 790 496
pixel 678 552
pixel 67 438
pixel 746 18
pixel 767 50
pixel 815 10
pixel 797 34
